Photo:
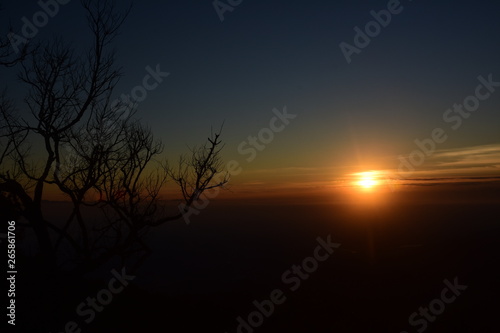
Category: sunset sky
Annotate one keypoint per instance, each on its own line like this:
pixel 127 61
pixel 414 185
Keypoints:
pixel 361 139
pixel 350 118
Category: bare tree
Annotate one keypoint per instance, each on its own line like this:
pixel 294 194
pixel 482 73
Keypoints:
pixel 10 55
pixel 93 151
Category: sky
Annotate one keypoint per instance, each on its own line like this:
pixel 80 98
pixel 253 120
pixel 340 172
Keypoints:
pixel 350 117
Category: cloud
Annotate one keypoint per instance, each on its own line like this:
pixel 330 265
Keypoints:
pixel 480 158
pixel 465 164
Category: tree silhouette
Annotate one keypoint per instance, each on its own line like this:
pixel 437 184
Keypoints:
pixel 92 150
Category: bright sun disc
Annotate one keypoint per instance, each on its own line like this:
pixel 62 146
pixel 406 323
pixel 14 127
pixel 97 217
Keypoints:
pixel 367 179
pixel 368 182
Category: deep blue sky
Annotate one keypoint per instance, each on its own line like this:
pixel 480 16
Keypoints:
pixel 268 54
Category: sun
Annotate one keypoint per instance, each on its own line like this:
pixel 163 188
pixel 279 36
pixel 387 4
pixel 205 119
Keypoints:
pixel 367 180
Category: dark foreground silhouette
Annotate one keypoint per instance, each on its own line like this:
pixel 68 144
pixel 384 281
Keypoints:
pixel 202 277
